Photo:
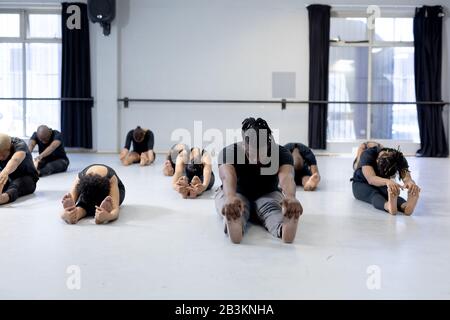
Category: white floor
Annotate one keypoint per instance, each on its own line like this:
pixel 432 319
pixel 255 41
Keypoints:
pixel 164 247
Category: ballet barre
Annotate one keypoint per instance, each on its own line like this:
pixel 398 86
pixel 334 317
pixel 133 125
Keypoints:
pixel 283 102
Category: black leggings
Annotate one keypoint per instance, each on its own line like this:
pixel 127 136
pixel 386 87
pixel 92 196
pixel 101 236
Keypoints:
pixel 56 166
pixel 377 196
pixel 19 187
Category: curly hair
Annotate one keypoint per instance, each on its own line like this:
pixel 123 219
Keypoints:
pixel 390 162
pixel 93 189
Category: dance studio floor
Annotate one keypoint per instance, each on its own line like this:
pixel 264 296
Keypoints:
pixel 164 247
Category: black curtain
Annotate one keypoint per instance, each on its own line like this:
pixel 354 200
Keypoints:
pixel 76 117
pixel 428 72
pixel 319 48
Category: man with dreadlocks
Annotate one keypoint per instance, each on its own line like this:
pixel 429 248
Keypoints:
pixel 257 178
pixel 373 180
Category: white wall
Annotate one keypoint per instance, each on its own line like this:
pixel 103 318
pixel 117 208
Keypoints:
pixel 214 49
pixel 206 49
pixel 211 50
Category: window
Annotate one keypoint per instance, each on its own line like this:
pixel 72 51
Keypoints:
pixel 30 64
pixel 371 64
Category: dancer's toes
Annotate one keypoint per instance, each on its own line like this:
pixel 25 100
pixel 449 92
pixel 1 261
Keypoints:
pixel 67 201
pixel 107 204
pixel 411 203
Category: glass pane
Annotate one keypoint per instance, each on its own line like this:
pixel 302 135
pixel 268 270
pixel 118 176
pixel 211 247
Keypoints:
pixel 44 26
pixel 43 81
pixel 394 29
pixel 348 29
pixel 10 25
pixel 347 82
pixel 393 80
pixel 11 85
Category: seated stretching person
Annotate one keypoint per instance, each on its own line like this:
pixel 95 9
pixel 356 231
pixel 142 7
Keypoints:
pixel 193 173
pixel 52 156
pixel 305 166
pixel 169 164
pixel 143 141
pixel 18 176
pixel 252 173
pixel 363 147
pixel 373 181
pixel 96 192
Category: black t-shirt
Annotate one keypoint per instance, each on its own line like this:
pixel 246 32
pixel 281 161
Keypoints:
pixel 306 153
pixel 252 182
pixel 143 146
pixel 26 167
pixel 59 152
pixel 368 158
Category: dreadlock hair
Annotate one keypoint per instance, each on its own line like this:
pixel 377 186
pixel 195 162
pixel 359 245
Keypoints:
pixel 93 189
pixel 138 134
pixel 391 162
pixel 257 125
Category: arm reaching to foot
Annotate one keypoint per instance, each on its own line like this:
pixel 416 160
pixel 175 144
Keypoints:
pixel 10 167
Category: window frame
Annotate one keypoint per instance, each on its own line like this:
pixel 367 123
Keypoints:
pixel 24 39
pixel 371 44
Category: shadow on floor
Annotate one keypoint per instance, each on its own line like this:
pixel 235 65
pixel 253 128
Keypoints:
pixel 133 215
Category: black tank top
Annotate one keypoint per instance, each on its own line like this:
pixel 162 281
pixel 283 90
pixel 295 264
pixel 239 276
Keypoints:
pixel 111 173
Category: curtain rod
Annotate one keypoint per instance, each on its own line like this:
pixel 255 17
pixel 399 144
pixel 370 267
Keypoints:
pixel 283 102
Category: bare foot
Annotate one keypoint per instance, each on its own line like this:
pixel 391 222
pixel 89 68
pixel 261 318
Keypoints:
pixel 292 210
pixel 183 186
pixel 107 204
pixel 410 204
pixel 391 204
pixel 232 212
pixel 67 201
pixel 168 169
pixel 312 183
pixel 70 211
pixel 4 198
pixel 103 214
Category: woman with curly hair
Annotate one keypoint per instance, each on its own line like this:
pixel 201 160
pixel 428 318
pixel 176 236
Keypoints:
pixel 97 192
pixel 374 180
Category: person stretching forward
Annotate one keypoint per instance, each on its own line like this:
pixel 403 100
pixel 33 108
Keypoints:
pixel 252 172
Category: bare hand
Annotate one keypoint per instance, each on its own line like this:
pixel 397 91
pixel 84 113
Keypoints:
pixel 393 187
pixel 412 187
pixel 291 208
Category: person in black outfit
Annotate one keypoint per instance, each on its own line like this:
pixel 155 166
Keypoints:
pixel 18 176
pixel 97 192
pixel 305 166
pixel 52 156
pixel 373 181
pixel 143 141
pixel 171 158
pixel 257 178
pixel 193 173
pixel 363 147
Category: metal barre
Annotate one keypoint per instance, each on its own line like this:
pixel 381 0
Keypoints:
pixel 283 102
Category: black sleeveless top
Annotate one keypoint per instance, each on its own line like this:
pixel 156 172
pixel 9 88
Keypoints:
pixel 111 173
pixel 195 169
